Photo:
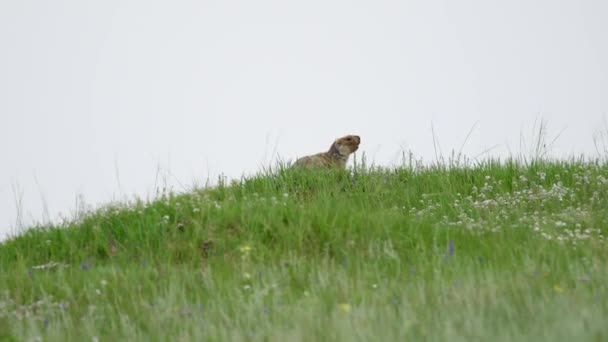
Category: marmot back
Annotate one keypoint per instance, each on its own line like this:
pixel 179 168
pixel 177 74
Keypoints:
pixel 337 156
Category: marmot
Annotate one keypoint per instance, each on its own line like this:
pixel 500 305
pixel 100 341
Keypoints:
pixel 337 156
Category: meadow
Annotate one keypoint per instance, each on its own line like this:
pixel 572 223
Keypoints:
pixel 496 250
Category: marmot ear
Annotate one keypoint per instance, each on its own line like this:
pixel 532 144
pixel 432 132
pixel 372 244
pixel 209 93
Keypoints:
pixel 334 145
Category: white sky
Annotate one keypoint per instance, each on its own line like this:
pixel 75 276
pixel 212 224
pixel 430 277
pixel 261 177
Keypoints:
pixel 96 96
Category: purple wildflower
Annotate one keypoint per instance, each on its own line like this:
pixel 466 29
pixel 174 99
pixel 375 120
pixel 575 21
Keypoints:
pixel 451 248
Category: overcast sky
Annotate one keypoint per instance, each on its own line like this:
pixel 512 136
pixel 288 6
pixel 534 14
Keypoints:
pixel 105 99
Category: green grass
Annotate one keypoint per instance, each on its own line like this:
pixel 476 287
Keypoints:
pixel 497 251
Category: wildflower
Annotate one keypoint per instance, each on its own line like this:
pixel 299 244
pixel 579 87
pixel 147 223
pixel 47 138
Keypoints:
pixel 166 218
pixel 246 276
pixel 196 210
pixel 247 287
pixel 450 249
pixel 344 307
pixel 104 282
pixel 558 288
pixel 245 250
pixel 98 291
pixel 374 286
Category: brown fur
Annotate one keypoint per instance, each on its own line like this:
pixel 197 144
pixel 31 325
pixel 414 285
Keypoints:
pixel 336 157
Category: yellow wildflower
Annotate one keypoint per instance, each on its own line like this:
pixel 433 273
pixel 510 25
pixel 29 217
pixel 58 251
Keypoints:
pixel 344 307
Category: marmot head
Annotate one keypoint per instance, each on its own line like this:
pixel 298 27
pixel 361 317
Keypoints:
pixel 347 144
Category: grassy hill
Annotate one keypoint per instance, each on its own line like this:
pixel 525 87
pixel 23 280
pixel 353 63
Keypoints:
pixel 497 251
